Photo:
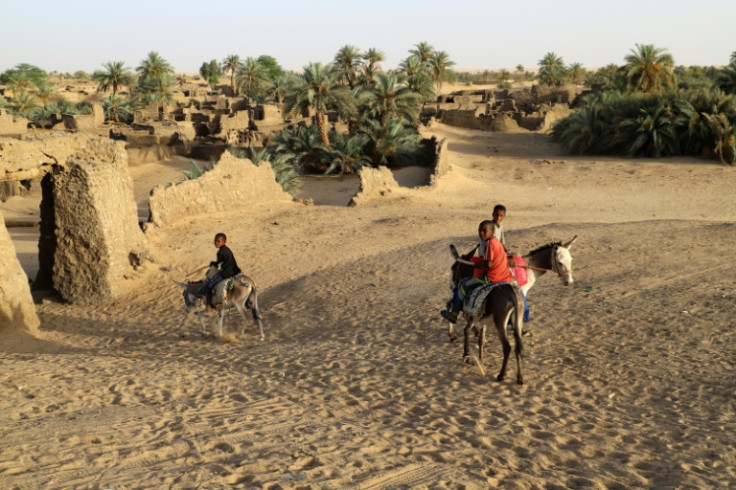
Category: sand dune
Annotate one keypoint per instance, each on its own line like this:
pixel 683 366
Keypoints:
pixel 629 372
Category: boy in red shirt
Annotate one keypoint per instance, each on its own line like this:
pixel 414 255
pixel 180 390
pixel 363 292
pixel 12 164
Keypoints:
pixel 491 266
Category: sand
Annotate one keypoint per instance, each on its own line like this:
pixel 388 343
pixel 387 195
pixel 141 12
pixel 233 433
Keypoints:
pixel 629 372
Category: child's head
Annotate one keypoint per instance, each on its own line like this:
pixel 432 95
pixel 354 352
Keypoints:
pixel 485 230
pixel 220 240
pixel 499 213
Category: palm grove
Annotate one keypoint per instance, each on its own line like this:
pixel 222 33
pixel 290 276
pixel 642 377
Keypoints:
pixel 644 107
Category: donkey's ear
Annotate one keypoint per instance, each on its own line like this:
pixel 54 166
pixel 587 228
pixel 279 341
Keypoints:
pixel 182 285
pixel 568 245
pixel 454 253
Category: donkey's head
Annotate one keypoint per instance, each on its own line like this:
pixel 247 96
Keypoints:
pixel 190 295
pixel 562 261
pixel 459 270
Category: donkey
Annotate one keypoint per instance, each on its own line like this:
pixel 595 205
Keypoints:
pixel 504 302
pixel 553 257
pixel 244 294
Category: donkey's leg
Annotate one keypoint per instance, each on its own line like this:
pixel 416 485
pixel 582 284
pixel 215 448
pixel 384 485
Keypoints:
pixel 451 331
pixel 481 341
pixel 466 341
pixel 201 322
pixel 220 317
pixel 257 313
pixel 518 320
pixel 501 328
pixel 241 309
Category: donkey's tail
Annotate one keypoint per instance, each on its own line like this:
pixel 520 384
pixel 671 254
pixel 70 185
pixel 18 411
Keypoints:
pixel 252 303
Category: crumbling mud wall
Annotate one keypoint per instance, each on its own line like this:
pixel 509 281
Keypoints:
pixel 231 184
pixel 12 125
pixel 90 239
pixel 17 312
pixel 98 240
pixel 374 182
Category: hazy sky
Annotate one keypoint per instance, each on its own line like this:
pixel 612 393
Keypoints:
pixel 70 35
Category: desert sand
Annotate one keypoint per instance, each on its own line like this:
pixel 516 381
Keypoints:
pixel 629 373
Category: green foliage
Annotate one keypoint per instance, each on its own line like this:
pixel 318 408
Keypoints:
pixel 117 109
pixel 726 78
pixel 154 66
pixel 231 63
pixel 114 76
pixel 689 122
pixel 81 75
pixel 195 172
pixel 649 69
pixel 346 64
pixel 395 146
pixel 271 67
pixel 439 68
pixel 25 74
pixel 389 96
pixel 285 172
pixel 319 91
pixel 211 71
pixel 252 78
pixel 552 70
pixel 346 153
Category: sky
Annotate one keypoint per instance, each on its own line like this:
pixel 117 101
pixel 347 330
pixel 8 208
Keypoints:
pixel 72 35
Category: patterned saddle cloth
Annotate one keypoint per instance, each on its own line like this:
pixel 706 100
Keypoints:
pixel 474 301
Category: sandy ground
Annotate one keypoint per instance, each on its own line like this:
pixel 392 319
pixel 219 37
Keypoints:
pixel 629 372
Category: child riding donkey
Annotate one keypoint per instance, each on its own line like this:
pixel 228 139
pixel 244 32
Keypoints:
pixel 226 265
pixel 490 266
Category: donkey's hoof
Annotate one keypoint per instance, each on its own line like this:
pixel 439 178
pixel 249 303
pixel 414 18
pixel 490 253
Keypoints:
pixel 500 378
pixel 467 360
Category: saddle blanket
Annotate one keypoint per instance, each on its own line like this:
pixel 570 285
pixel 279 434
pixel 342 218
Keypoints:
pixel 519 273
pixel 474 302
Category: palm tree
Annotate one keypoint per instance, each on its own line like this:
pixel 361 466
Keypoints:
pixel 583 132
pixel 390 97
pixel 19 83
pixel 347 62
pixel 346 153
pixel 154 66
pixel 653 133
pixel 372 57
pixel 649 68
pixel 439 65
pixel 726 79
pixel 24 104
pixel 393 144
pixel 278 88
pixel 576 73
pixel 319 91
pixel 116 108
pixel 251 77
pixel 423 51
pixel 158 89
pixel 231 63
pixel 732 59
pixel 45 92
pixel 114 76
pixel 552 70
pixel 417 77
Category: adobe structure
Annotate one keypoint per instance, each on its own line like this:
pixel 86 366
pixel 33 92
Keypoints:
pixel 534 109
pixel 90 239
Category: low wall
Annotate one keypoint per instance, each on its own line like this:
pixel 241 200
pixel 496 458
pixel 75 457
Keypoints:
pixel 232 183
